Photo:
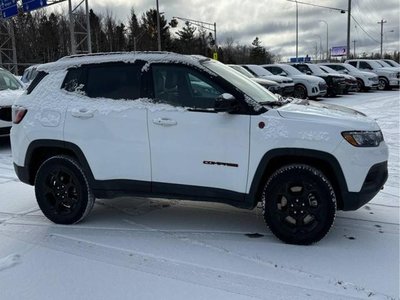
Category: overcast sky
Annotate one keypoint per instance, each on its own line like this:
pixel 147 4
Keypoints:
pixel 274 21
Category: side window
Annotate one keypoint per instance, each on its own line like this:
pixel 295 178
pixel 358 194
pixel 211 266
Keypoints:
pixel 274 70
pixel 353 63
pixel 303 69
pixel 112 81
pixel 75 80
pixel 365 65
pixel 182 86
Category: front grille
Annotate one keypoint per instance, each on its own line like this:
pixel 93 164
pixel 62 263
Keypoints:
pixel 322 86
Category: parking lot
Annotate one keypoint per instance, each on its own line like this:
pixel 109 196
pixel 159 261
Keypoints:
pixel 131 248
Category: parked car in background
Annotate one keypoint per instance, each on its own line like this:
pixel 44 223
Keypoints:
pixel 286 83
pixel 10 90
pixel 386 65
pixel 351 82
pixel 270 85
pixel 388 77
pixel 336 83
pixel 365 80
pixel 29 74
pixel 305 86
pixel 391 62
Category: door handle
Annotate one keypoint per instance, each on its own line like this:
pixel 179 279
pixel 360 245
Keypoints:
pixel 164 122
pixel 82 113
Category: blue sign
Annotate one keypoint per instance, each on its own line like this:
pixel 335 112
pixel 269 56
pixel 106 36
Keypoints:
pixel 8 8
pixel 300 59
pixel 30 5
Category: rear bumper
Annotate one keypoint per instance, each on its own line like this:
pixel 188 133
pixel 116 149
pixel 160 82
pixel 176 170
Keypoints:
pixel 22 174
pixel 373 183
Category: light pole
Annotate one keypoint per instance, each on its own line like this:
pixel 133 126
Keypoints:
pixel 327 38
pixel 320 47
pixel 203 25
pixel 158 28
pixel 297 32
pixel 342 11
pixel 382 22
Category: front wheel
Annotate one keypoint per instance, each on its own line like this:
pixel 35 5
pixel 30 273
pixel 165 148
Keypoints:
pixel 300 92
pixel 62 190
pixel 299 204
pixel 383 84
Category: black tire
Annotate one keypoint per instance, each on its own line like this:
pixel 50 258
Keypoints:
pixel 383 84
pixel 360 85
pixel 300 92
pixel 299 204
pixel 62 190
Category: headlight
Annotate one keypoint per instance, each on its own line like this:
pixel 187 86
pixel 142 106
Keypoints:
pixel 393 75
pixel 363 138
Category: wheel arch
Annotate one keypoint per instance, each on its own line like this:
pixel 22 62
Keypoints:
pixel 40 150
pixel 277 158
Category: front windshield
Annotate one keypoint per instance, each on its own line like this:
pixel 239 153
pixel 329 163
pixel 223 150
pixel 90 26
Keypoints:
pixel 383 63
pixel 375 64
pixel 315 69
pixel 244 84
pixel 260 71
pixel 8 82
pixel 243 71
pixel 392 63
pixel 329 70
pixel 290 70
pixel 351 68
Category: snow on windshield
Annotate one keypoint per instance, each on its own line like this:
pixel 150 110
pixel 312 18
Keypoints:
pixel 290 70
pixel 315 69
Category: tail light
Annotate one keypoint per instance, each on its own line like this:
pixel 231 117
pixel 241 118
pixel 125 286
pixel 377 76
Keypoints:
pixel 18 113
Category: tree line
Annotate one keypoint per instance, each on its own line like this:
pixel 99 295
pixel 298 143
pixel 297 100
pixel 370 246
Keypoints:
pixel 44 37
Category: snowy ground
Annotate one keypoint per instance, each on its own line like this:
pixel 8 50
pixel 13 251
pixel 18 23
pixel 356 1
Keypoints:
pixel 158 249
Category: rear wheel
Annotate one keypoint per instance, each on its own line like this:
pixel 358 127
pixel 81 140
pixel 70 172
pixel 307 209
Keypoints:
pixel 300 92
pixel 299 204
pixel 360 85
pixel 62 190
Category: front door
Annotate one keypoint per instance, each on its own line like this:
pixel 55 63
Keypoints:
pixel 193 148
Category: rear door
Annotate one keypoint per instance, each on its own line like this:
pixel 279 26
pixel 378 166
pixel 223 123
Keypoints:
pixel 107 122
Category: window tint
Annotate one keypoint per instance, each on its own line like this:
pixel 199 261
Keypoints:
pixel 353 63
pixel 303 68
pixel 181 86
pixel 75 80
pixel 113 81
pixel 365 65
pixel 275 70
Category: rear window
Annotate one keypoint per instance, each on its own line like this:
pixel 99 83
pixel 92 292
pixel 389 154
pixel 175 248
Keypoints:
pixel 38 78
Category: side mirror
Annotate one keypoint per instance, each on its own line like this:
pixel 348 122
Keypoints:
pixel 225 103
pixel 346 72
pixel 283 74
pixel 308 73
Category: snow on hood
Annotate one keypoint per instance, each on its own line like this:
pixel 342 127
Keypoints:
pixel 312 110
pixel 307 77
pixel 8 97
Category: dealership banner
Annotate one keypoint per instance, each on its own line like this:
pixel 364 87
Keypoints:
pixel 339 51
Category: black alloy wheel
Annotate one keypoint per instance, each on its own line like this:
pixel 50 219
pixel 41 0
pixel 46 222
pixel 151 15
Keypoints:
pixel 62 190
pixel 299 204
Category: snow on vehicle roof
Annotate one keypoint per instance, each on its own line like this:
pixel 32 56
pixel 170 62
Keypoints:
pixel 126 57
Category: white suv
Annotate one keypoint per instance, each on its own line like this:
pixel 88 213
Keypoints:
pixel 365 80
pixel 305 86
pixel 173 126
pixel 389 77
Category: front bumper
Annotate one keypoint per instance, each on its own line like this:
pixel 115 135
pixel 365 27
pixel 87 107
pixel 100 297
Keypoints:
pixel 373 183
pixel 394 83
